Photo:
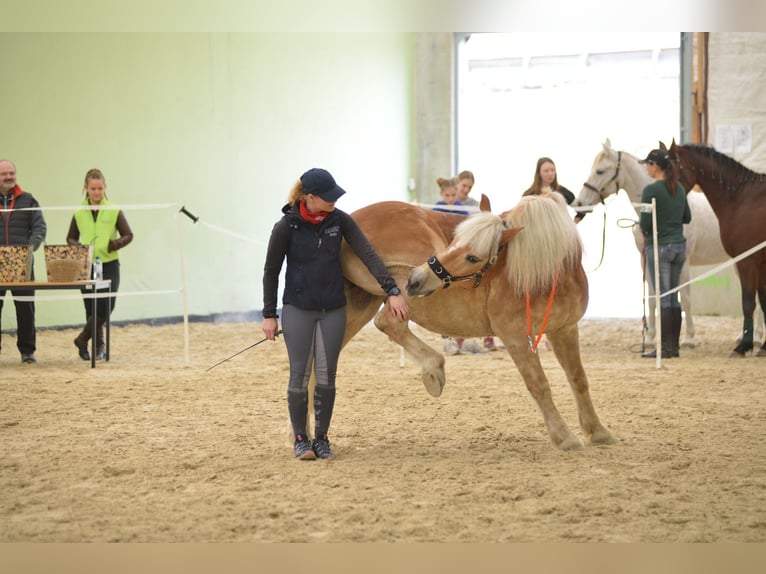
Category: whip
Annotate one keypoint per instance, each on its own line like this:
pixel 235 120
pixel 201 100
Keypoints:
pixel 243 350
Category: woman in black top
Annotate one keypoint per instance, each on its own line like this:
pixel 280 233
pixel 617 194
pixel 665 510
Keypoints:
pixel 309 235
pixel 546 181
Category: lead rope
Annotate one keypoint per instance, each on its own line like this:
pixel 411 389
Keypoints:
pixel 534 343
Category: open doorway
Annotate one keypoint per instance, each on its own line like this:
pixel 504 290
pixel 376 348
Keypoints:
pixel 523 96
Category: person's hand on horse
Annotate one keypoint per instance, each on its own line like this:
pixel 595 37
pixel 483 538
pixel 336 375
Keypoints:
pixel 399 307
pixel 270 328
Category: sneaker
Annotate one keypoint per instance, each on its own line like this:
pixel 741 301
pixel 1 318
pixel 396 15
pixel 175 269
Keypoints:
pixel 450 346
pixel 303 450
pixel 321 447
pixel 28 358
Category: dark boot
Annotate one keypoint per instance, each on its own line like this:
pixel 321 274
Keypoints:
pixel 298 408
pixel 100 340
pixel 675 316
pixel 324 402
pixel 665 336
pixel 81 341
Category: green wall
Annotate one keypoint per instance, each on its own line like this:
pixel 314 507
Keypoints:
pixel 221 123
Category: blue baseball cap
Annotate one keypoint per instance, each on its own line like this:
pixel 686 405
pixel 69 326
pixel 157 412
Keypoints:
pixel 319 182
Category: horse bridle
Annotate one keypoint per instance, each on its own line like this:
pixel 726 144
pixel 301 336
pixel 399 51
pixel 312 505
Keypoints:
pixel 448 278
pixel 604 187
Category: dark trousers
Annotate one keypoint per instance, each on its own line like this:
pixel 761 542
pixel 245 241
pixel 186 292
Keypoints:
pixel 25 320
pixel 105 306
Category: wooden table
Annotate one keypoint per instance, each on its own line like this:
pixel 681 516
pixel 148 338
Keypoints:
pixel 90 285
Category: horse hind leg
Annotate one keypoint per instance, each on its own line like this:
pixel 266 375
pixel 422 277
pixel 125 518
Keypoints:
pixel 566 347
pixel 430 361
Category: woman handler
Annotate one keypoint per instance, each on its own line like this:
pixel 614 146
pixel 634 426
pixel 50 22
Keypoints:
pixel 309 235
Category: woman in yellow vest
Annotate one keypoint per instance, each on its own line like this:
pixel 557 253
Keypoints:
pixel 107 230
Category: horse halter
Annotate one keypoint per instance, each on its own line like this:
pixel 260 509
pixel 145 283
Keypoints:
pixel 604 187
pixel 448 279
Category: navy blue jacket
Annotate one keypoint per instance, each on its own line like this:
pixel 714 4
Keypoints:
pixel 314 279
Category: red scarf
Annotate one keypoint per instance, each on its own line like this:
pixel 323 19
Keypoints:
pixel 314 218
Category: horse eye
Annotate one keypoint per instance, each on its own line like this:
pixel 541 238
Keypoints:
pixel 472 259
pixel 599 171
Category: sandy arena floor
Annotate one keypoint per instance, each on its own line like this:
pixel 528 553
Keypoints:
pixel 147 448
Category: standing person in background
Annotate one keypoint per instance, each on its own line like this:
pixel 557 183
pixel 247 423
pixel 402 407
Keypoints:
pixel 546 181
pixel 309 235
pixel 108 231
pixel 20 227
pixel 465 183
pixel 448 193
pixel 672 212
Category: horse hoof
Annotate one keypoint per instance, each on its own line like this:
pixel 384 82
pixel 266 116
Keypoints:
pixel 761 352
pixel 602 436
pixel 689 344
pixel 573 443
pixel 741 350
pixel 434 382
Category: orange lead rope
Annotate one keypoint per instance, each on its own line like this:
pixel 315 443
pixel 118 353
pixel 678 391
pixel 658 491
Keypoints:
pixel 533 343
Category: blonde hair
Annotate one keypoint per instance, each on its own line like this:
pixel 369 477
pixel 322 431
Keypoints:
pixel 296 193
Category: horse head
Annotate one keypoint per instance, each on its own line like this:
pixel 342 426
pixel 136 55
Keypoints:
pixel 604 179
pixel 681 160
pixel 475 248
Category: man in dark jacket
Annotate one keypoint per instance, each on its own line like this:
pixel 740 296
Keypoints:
pixel 20 226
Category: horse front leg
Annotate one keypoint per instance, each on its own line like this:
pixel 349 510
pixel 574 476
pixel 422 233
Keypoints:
pixel 566 347
pixel 748 282
pixel 430 361
pixel 528 364
pixel 760 334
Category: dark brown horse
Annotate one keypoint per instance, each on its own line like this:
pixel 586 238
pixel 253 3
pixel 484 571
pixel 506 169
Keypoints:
pixel 738 197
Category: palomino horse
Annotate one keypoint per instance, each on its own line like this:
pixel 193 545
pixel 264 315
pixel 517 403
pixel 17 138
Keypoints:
pixel 514 276
pixel 614 170
pixel 738 197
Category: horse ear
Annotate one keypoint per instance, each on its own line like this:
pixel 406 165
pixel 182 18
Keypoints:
pixel 662 146
pixel 484 203
pixel 509 234
pixel 608 144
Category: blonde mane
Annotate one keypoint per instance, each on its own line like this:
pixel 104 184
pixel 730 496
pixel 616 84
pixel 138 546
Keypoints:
pixel 548 243
pixel 480 233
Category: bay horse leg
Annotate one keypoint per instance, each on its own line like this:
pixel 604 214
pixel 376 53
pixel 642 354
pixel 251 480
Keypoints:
pixel 686 306
pixel 431 362
pixel 748 279
pixel 761 319
pixel 566 347
pixel 528 364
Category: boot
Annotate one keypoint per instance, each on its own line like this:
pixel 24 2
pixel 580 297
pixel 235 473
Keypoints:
pixel 676 331
pixel 324 401
pixel 665 336
pixel 100 340
pixel 81 341
pixel 298 407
